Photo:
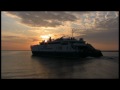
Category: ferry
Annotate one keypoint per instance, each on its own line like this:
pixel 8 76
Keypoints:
pixel 65 47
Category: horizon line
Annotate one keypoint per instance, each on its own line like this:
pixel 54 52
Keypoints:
pixel 30 50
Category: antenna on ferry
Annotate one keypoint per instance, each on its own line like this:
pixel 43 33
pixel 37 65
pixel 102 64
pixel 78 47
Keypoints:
pixel 72 32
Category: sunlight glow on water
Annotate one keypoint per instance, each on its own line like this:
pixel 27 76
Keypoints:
pixel 21 64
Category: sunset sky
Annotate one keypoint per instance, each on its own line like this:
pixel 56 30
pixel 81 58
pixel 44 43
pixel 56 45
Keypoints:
pixel 20 29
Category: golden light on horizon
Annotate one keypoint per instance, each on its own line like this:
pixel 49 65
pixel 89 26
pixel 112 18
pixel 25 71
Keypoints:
pixel 21 29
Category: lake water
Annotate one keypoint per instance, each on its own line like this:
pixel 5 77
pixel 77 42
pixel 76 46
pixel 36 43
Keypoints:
pixel 22 65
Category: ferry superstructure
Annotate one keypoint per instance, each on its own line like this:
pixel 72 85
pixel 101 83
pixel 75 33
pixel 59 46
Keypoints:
pixel 65 47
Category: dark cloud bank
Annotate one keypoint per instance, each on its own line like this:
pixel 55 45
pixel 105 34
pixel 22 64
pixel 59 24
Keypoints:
pixel 46 19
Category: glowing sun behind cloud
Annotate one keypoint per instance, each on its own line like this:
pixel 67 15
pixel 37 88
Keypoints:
pixel 22 29
pixel 46 37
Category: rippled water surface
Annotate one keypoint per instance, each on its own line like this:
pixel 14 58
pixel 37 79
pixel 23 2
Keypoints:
pixel 22 65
